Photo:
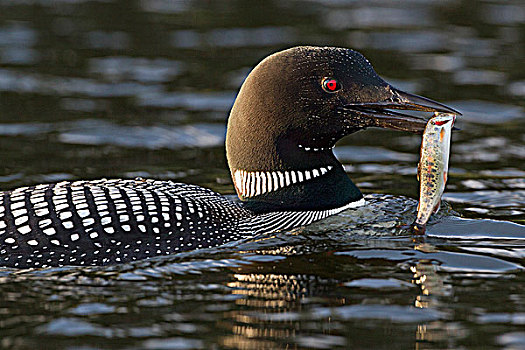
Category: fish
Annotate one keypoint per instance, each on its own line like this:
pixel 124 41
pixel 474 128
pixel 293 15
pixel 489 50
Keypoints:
pixel 432 169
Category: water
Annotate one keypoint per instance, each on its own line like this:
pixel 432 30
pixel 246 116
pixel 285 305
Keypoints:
pixel 92 89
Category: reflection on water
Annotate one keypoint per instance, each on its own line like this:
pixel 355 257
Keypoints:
pixel 92 89
pixel 423 294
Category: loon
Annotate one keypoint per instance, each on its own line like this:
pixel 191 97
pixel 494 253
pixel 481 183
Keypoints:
pixel 289 113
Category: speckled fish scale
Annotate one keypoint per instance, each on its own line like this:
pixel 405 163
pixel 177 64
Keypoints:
pixel 111 221
pixel 433 167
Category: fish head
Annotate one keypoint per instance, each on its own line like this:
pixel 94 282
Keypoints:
pixel 441 119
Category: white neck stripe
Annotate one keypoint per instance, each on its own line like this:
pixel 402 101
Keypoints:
pixel 284 220
pixel 315 149
pixel 255 183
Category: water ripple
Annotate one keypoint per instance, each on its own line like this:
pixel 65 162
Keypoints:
pixel 23 82
pixel 214 101
pixel 17 34
pixel 117 68
pixel 376 17
pixel 489 198
pixel 72 327
pixel 92 309
pixel 96 132
pixel 477 229
pixel 446 261
pixel 379 284
pixel 393 313
pixel 512 340
pixel 484 112
pixel 233 37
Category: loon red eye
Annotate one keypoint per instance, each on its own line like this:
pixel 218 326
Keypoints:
pixel 331 85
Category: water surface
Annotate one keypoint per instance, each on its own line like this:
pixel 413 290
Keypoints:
pixel 92 89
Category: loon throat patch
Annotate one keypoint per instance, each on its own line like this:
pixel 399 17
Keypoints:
pixel 254 183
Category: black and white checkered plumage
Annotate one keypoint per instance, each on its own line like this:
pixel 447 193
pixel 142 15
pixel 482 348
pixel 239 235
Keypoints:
pixel 111 221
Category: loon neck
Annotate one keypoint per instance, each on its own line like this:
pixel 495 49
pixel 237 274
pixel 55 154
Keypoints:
pixel 316 191
pixel 304 178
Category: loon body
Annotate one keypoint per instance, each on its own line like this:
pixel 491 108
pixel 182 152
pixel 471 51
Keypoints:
pixel 289 113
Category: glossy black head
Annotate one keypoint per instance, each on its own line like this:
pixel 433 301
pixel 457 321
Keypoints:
pixel 297 103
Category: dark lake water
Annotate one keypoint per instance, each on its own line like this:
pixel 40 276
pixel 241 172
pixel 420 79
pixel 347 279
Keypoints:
pixel 92 89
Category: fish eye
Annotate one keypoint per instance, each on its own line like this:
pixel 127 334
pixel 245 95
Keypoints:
pixel 331 85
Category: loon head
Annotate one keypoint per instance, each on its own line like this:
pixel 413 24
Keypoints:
pixel 292 109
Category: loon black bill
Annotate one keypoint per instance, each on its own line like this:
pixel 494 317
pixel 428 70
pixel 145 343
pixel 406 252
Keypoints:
pixel 382 114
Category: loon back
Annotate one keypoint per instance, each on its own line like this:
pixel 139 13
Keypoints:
pixel 289 113
pixel 111 221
